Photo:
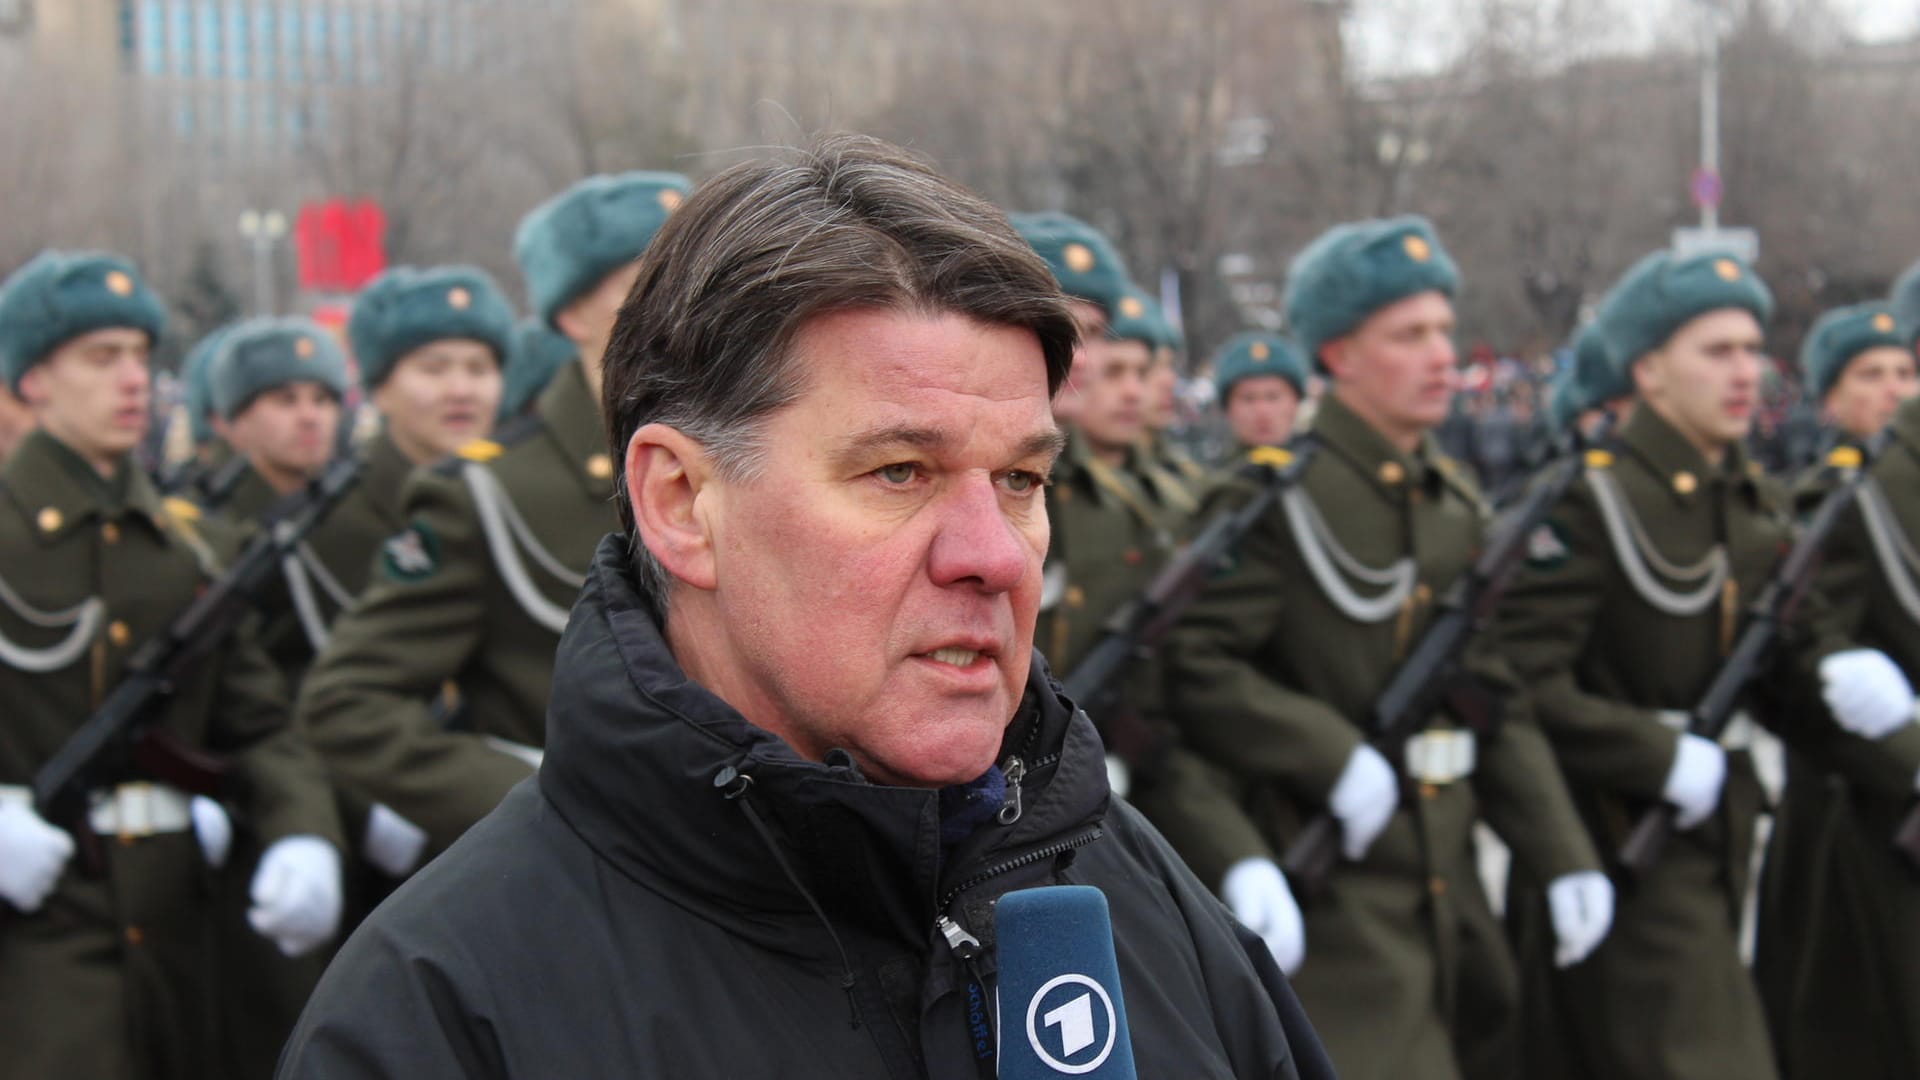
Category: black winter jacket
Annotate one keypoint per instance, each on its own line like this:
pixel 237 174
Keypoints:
pixel 638 909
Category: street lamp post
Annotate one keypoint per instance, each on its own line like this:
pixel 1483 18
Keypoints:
pixel 1710 117
pixel 262 230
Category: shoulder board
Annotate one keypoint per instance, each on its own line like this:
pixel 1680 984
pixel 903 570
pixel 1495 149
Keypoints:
pixel 181 509
pixel 1598 459
pixel 484 451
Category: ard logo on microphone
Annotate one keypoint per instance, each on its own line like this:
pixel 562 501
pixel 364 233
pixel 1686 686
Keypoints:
pixel 1071 1024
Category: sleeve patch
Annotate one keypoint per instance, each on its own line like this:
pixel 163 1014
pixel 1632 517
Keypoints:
pixel 412 555
pixel 1547 547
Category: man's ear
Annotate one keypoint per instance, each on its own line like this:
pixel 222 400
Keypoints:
pixel 33 386
pixel 221 427
pixel 1333 357
pixel 666 473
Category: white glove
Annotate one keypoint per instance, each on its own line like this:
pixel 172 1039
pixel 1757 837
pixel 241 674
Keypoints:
pixel 1582 908
pixel 1256 892
pixel 1693 782
pixel 1364 800
pixel 296 894
pixel 392 844
pixel 518 750
pixel 213 828
pixel 1867 692
pixel 32 856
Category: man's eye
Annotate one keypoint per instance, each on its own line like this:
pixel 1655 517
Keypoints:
pixel 1020 481
pixel 900 473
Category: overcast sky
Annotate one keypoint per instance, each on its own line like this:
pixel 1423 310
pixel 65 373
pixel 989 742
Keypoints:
pixel 1404 36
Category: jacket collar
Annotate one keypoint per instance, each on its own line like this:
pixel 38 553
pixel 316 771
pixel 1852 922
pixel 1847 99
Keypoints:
pixel 572 419
pixel 1676 463
pixel 1390 471
pixel 58 492
pixel 634 748
pixel 251 499
pixel 385 477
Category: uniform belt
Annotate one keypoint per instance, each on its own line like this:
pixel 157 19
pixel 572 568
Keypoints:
pixel 1739 733
pixel 133 811
pixel 1441 757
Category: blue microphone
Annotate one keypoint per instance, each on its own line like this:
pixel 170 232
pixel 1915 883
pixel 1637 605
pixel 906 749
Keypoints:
pixel 1059 1003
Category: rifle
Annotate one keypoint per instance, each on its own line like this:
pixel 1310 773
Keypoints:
pixel 127 716
pixel 1428 678
pixel 1133 631
pixel 1767 619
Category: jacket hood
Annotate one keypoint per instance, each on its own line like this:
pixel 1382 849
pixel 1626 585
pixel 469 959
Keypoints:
pixel 638 759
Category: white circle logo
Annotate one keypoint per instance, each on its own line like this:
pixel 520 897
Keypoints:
pixel 1073 1016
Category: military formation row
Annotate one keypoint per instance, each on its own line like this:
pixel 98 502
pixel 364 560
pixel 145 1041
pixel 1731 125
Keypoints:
pixel 392 685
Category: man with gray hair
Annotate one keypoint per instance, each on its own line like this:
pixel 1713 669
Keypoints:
pixel 800 742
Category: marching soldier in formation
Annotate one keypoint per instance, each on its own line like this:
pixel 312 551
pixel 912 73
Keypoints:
pixel 1838 953
pixel 1259 380
pixel 101 966
pixel 1275 666
pixel 476 587
pixel 199 463
pixel 1632 595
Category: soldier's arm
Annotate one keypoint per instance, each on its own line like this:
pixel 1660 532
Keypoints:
pixel 1230 712
pixel 1196 806
pixel 1543 628
pixel 367 701
pixel 282 783
pixel 1518 784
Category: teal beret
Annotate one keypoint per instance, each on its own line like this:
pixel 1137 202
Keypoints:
pixel 539 351
pixel 60 295
pixel 1136 317
pixel 1840 335
pixel 568 245
pixel 1663 292
pixel 1082 259
pixel 405 308
pixel 1355 269
pixel 261 354
pixel 1257 352
pixel 196 373
pixel 1906 304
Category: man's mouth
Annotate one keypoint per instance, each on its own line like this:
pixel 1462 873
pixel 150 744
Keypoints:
pixel 956 657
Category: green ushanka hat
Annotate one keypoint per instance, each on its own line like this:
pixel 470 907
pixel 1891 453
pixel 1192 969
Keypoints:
pixel 408 307
pixel 1663 292
pixel 1257 352
pixel 1842 334
pixel 539 351
pixel 1355 269
pixel 1082 259
pixel 196 375
pixel 261 354
pixel 1597 379
pixel 1905 300
pixel 60 295
pixel 569 244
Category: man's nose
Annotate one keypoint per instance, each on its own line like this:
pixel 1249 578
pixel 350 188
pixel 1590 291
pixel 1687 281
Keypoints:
pixel 977 543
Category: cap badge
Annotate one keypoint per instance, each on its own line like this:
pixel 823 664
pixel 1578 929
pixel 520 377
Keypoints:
pixel 1727 269
pixel 303 348
pixel 459 299
pixel 1077 257
pixel 670 200
pixel 1259 351
pixel 118 283
pixel 1130 307
pixel 1417 248
pixel 1883 322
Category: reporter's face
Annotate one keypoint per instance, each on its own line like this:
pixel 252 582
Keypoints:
pixel 878 579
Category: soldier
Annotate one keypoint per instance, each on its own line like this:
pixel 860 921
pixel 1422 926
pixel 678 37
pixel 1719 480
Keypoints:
pixel 1632 594
pixel 1092 276
pixel 475 590
pixel 1151 327
pixel 538 351
pixel 199 464
pixel 1276 665
pixel 1838 953
pixel 1259 379
pixel 100 967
